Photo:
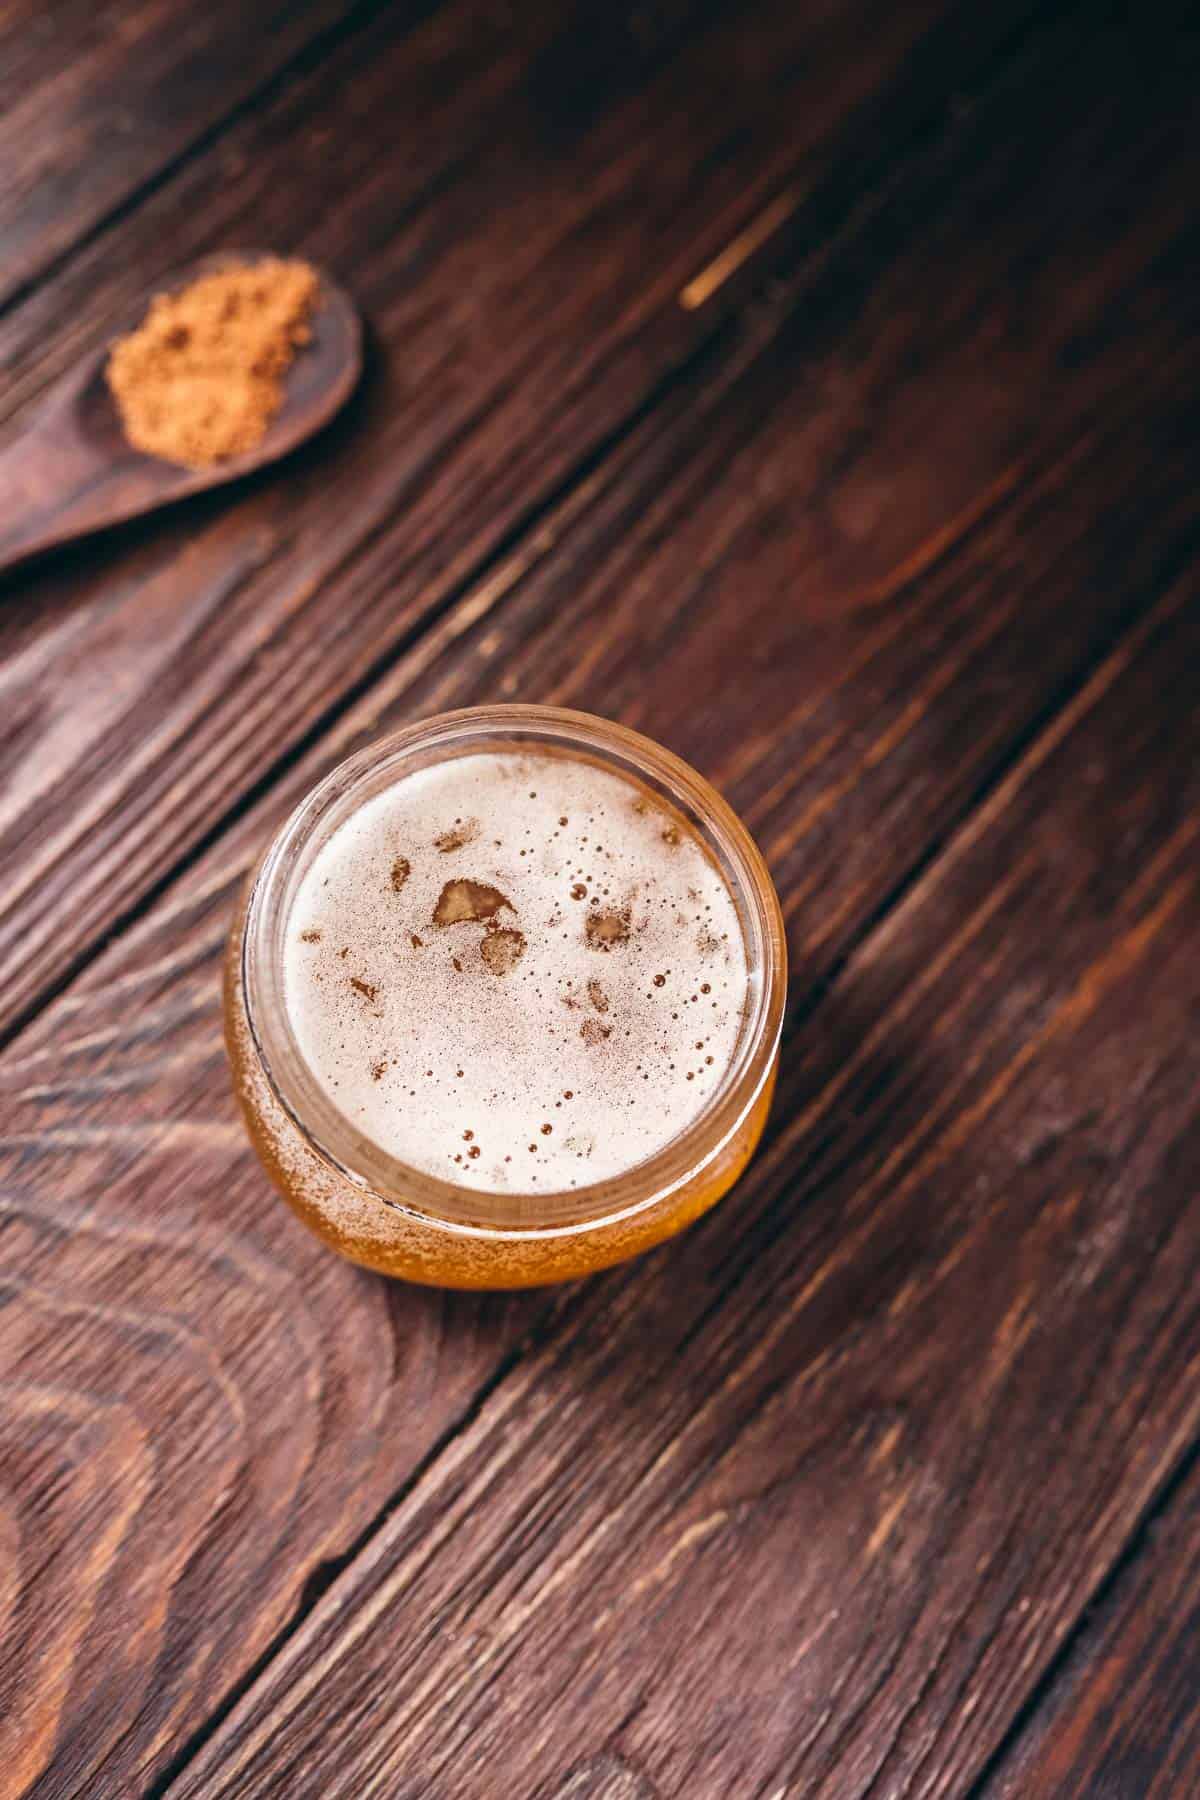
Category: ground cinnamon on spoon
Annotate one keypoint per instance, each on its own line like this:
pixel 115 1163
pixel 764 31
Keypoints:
pixel 202 376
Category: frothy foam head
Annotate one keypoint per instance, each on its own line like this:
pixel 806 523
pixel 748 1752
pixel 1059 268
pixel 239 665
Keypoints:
pixel 517 972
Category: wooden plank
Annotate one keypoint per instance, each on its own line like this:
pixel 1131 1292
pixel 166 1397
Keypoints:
pixel 805 1503
pixel 187 1405
pixel 120 1143
pixel 97 100
pixel 522 282
pixel 1119 1718
pixel 127 1180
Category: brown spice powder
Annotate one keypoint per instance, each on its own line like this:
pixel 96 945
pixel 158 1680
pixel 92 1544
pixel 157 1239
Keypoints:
pixel 201 378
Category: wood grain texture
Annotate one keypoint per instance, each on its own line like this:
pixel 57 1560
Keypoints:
pixel 115 1100
pixel 1119 1720
pixel 97 99
pixel 806 1502
pixel 196 1415
pixel 523 285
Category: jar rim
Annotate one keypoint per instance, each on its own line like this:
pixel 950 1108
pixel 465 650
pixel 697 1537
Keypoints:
pixel 334 1138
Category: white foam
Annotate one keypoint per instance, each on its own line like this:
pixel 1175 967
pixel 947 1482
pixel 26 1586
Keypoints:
pixel 604 1039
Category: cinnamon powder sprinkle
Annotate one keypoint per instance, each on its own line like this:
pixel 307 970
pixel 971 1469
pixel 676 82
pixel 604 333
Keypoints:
pixel 202 377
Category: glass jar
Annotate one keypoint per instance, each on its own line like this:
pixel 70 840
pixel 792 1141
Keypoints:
pixel 403 1221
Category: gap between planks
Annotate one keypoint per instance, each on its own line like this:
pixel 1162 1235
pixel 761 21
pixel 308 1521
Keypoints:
pixel 1087 691
pixel 480 589
pixel 474 597
pixel 484 585
pixel 1140 1540
pixel 324 1575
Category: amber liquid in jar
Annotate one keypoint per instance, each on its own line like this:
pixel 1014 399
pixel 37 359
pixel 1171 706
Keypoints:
pixel 503 1001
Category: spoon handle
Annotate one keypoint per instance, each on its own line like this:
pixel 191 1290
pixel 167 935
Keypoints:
pixel 53 487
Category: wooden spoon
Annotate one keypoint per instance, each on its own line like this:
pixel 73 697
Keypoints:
pixel 73 471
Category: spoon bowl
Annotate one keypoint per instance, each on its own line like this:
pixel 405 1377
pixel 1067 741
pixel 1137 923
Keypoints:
pixel 73 471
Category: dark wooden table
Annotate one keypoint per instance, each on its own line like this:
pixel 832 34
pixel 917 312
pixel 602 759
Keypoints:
pixel 812 387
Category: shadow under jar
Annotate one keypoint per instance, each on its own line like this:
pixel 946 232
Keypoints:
pixel 504 997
